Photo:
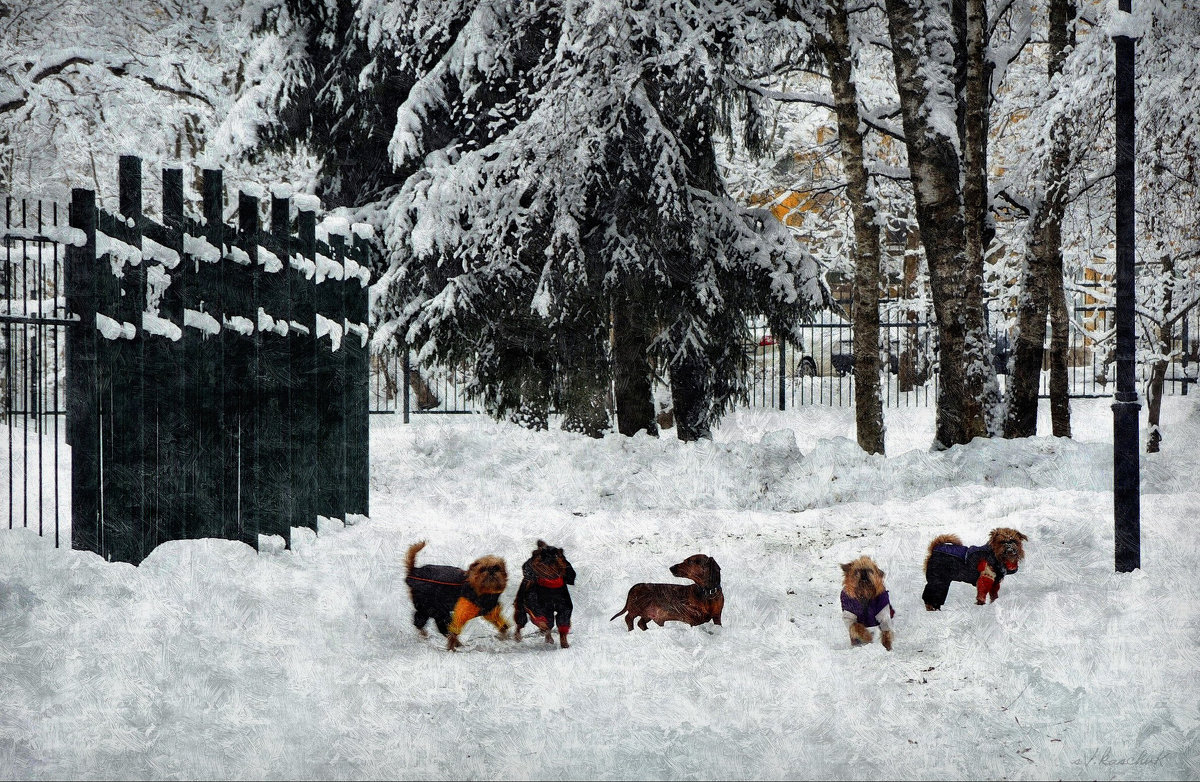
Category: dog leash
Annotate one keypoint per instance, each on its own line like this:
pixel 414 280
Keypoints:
pixel 443 583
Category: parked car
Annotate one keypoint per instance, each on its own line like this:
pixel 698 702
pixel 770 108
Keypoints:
pixel 824 349
pixel 805 365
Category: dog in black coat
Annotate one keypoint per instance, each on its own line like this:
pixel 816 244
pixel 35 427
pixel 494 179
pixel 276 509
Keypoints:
pixel 451 596
pixel 543 597
pixel 983 567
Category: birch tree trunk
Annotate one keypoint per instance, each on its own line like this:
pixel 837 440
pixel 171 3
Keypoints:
pixel 922 53
pixel 1060 345
pixel 868 404
pixel 1158 370
pixel 976 214
pixel 1041 279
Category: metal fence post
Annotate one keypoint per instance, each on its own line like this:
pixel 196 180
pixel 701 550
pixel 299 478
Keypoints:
pixel 82 413
pixel 782 374
pixel 1126 469
pixel 405 377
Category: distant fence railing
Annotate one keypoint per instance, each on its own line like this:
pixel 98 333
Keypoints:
pixel 818 372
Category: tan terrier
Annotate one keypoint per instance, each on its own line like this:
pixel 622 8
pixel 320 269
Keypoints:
pixel 983 567
pixel 865 602
pixel 452 596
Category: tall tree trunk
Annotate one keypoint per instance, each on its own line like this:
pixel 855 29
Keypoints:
pixel 1158 370
pixel 691 397
pixel 584 377
pixel 976 214
pixel 691 368
pixel 1060 345
pixel 1043 271
pixel 927 108
pixel 913 365
pixel 1154 391
pixel 1028 346
pixel 868 405
pixel 632 373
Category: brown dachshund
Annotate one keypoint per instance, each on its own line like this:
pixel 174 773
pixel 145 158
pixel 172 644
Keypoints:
pixel 694 604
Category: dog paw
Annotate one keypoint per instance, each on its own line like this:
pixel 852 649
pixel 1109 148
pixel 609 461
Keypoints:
pixel 980 602
pixel 452 642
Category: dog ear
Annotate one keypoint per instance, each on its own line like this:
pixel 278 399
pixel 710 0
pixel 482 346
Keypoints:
pixel 880 571
pixel 1023 536
pixel 846 568
pixel 541 543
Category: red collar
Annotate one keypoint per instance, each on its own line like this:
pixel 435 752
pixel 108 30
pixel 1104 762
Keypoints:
pixel 550 583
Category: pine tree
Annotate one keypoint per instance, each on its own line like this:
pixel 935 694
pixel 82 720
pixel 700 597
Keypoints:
pixel 566 184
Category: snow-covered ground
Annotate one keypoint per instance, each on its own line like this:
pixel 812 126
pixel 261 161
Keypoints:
pixel 212 661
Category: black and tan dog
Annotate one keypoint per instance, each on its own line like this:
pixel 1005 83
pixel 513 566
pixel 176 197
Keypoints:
pixel 543 596
pixel 865 602
pixel 452 596
pixel 695 604
pixel 984 567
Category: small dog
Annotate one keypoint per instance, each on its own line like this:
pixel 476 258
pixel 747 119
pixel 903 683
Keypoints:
pixel 694 604
pixel 982 566
pixel 865 602
pixel 543 595
pixel 452 596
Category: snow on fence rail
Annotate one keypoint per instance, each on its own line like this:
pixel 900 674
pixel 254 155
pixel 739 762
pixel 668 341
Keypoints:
pixel 217 375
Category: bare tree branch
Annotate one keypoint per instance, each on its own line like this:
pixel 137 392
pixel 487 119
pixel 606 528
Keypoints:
pixel 875 122
pixel 14 102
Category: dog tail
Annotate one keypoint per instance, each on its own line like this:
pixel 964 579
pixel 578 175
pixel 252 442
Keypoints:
pixel 623 610
pixel 410 561
pixel 939 540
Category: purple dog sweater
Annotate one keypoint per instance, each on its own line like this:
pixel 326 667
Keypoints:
pixel 874 613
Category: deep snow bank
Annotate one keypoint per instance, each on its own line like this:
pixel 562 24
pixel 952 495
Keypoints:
pixel 212 661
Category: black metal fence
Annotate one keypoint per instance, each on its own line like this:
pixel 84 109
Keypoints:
pixel 213 379
pixel 398 386
pixel 820 370
pixel 33 322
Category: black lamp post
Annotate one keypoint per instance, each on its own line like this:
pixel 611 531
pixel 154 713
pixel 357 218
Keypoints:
pixel 1126 499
